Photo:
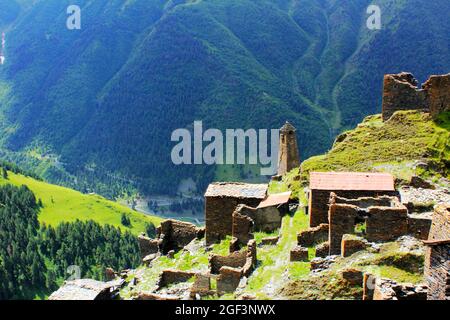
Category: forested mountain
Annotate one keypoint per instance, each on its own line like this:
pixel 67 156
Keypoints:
pixel 35 258
pixel 104 100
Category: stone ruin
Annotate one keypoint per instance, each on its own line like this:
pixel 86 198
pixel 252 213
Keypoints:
pixel 350 185
pixel 233 267
pixel 266 217
pixel 353 224
pixel 172 235
pixel 401 92
pixel 312 236
pixel 227 271
pixel 386 289
pixel 437 258
pixel 87 289
pixel 221 200
pixel 288 155
pixel 385 218
pixel 175 235
pixel 239 209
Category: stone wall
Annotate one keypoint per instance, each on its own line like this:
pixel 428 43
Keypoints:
pixel 342 219
pixel 250 261
pixel 201 285
pixel 365 202
pixel 299 253
pixel 440 227
pixel 386 224
pixel 268 219
pixel 169 277
pixel 175 235
pixel 401 92
pixel 219 216
pixel 438 94
pixel 352 244
pixel 319 201
pixel 383 223
pixel 386 289
pixel 230 276
pixel 419 226
pixel 353 276
pixel 437 258
pixel 148 246
pixel 323 250
pixel 312 236
pixel 228 280
pixel 235 259
pixel 437 271
pixel 368 286
pixel 243 225
pixel 244 260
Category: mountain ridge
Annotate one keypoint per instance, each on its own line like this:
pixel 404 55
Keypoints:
pixel 139 71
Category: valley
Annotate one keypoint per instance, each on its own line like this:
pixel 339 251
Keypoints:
pixel 312 62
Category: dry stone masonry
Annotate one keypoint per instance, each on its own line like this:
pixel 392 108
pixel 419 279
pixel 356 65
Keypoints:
pixel 175 235
pixel 221 200
pixel 350 185
pixel 401 92
pixel 288 156
pixel 383 223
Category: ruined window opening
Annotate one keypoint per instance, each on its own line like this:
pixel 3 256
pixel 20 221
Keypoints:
pixel 360 227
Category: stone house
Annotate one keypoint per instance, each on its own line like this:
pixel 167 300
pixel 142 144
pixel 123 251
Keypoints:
pixel 266 217
pixel 349 185
pixel 221 200
pixel 386 219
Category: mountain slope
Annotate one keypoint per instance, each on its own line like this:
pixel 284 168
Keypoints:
pixel 104 100
pixel 66 205
pixel 396 146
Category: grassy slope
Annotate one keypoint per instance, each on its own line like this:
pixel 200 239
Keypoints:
pixel 66 205
pixel 392 146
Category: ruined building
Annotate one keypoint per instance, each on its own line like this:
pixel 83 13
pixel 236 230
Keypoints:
pixel 87 289
pixel 385 219
pixel 437 259
pixel 401 92
pixel 266 217
pixel 288 155
pixel 349 185
pixel 221 200
pixel 172 235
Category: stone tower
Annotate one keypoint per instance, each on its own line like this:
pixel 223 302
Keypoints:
pixel 288 155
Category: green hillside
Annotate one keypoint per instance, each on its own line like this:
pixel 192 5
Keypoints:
pixel 393 146
pixel 410 143
pixel 98 105
pixel 65 205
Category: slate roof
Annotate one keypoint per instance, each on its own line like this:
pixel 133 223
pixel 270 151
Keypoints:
pixel 358 181
pixel 237 190
pixel 83 289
